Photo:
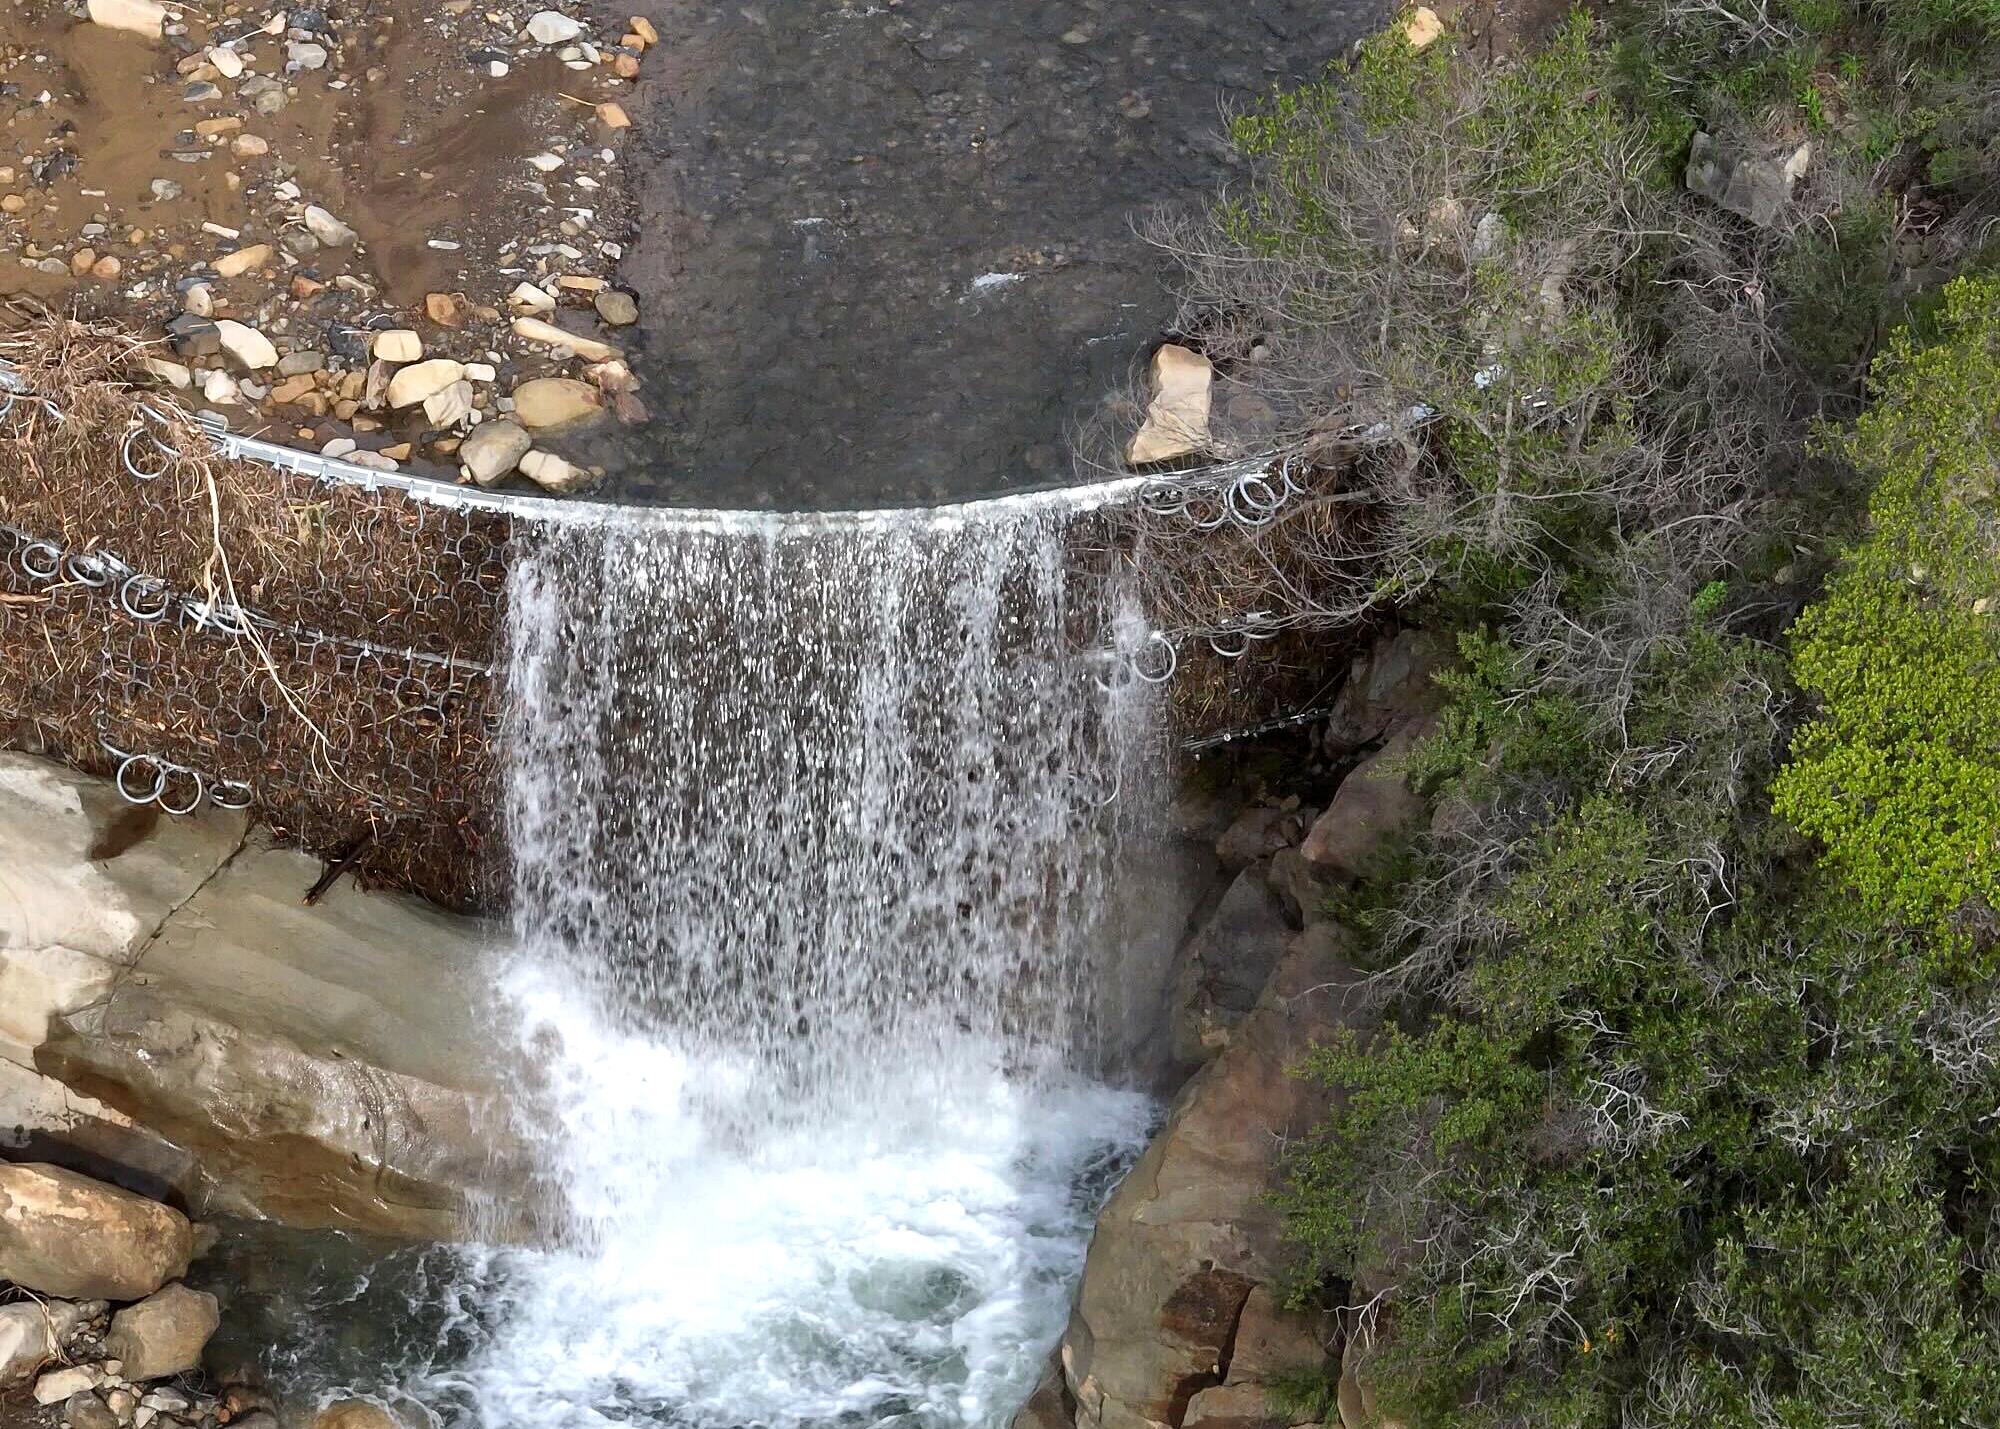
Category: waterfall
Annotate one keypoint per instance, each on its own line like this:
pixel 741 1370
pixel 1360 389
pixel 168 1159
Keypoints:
pixel 812 820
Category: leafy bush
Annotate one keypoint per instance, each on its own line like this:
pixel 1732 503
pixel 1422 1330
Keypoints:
pixel 1899 773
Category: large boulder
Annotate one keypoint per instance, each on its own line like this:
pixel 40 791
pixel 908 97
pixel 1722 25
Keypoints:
pixel 1375 805
pixel 1388 685
pixel 1191 1233
pixel 163 1334
pixel 355 1414
pixel 66 1235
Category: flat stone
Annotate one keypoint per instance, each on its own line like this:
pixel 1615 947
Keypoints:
pixel 556 403
pixel 553 473
pixel 138 17
pixel 616 306
pixel 246 346
pixel 422 380
pixel 1176 424
pixel 397 344
pixel 451 406
pixel 58 1385
pixel 243 260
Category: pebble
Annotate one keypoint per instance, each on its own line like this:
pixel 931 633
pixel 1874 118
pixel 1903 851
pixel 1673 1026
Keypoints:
pixel 546 163
pixel 243 260
pixel 552 473
pixel 552 403
pixel 201 91
pixel 227 62
pixel 199 300
pixel 304 54
pixel 643 28
pixel 328 229
pixel 58 1385
pixel 536 330
pixel 294 364
pixel 166 190
pixel 249 146
pixel 423 380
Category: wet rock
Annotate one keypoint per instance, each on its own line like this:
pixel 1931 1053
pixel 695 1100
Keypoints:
pixel 1176 423
pixel 1260 832
pixel 355 1414
pixel 163 1334
pixel 85 1410
pixel 552 27
pixel 1223 968
pixel 1274 1344
pixel 1753 186
pixel 396 344
pixel 138 17
pixel 494 450
pixel 553 473
pixel 616 306
pixel 66 1235
pixel 547 404
pixel 245 346
pixel 165 190
pixel 422 380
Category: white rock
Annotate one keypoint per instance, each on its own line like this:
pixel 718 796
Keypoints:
pixel 139 17
pixel 220 389
pixel 199 300
pixel 340 447
pixel 552 27
pixel 451 406
pixel 249 348
pixel 530 299
pixel 546 163
pixel 326 228
pixel 423 380
pixel 481 372
pixel 552 473
pixel 58 1385
pixel 376 460
pixel 1177 421
pixel 497 68
pixel 174 374
pixel 494 450
pixel 398 344
pixel 589 349
pixel 227 62
pixel 304 54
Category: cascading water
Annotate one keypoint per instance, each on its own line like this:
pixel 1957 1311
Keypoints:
pixel 810 827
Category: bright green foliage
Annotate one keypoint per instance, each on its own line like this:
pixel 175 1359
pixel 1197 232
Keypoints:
pixel 1899 773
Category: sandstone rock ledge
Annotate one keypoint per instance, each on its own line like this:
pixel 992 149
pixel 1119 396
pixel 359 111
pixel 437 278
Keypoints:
pixel 174 1019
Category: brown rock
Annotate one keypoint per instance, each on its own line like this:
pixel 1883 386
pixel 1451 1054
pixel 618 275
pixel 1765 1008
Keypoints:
pixel 355 1414
pixel 1220 972
pixel 163 1334
pixel 1233 1406
pixel 555 403
pixel 66 1235
pixel 1374 805
pixel 1176 423
pixel 626 66
pixel 444 309
pixel 1273 1342
pixel 243 260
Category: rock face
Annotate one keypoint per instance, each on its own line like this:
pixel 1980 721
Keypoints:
pixel 1176 423
pixel 1189 1236
pixel 1752 186
pixel 1375 805
pixel 163 1334
pixel 66 1235
pixel 322 1066
pixel 1222 969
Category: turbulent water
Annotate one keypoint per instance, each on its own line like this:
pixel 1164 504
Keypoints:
pixel 811 824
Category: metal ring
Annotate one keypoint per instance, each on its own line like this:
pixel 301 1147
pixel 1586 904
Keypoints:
pixel 27 558
pixel 238 795
pixel 1240 496
pixel 132 467
pixel 136 585
pixel 1156 641
pixel 200 793
pixel 159 779
pixel 89 570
